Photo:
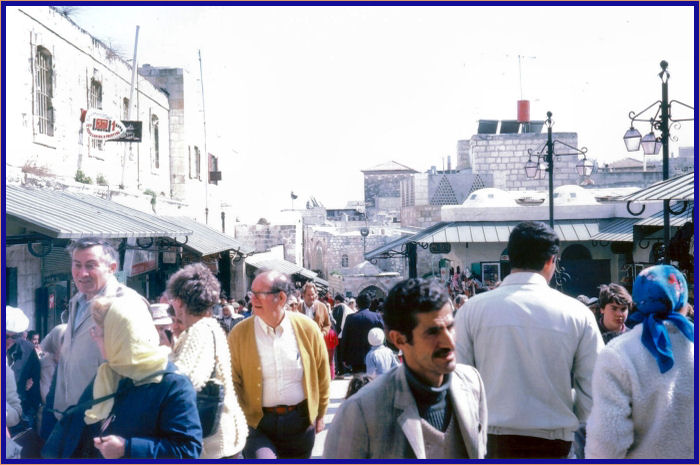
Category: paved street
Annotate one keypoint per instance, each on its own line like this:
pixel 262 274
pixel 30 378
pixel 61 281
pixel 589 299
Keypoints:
pixel 338 389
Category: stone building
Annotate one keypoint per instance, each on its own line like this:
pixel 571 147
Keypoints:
pixel 382 186
pixel 57 72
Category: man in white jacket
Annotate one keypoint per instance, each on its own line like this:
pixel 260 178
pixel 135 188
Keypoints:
pixel 532 346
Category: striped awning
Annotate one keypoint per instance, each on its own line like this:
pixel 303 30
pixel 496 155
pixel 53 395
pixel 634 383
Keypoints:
pixel 266 261
pixel 485 232
pixel 206 240
pixel 678 188
pixel 68 215
pixel 618 230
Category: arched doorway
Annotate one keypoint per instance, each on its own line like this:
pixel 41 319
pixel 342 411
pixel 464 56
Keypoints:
pixel 581 274
pixel 373 291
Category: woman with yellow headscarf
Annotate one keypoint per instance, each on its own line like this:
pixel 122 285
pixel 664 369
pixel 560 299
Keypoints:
pixel 149 410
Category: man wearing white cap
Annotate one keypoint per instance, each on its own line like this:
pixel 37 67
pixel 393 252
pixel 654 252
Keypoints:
pixel 380 358
pixel 23 360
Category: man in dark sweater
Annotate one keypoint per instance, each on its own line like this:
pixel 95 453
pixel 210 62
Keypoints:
pixel 354 344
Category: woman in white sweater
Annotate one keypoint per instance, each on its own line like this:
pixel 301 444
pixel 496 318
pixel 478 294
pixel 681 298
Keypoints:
pixel 643 380
pixel 202 349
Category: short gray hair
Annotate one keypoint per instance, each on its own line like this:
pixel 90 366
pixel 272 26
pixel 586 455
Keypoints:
pixel 88 242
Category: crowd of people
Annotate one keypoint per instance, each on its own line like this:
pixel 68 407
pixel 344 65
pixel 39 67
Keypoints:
pixel 511 370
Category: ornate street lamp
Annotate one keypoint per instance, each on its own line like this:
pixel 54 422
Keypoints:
pixel 652 143
pixel 545 163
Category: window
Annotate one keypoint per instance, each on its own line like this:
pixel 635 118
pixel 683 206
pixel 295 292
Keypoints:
pixel 213 175
pixel 43 107
pixel 189 161
pixel 344 261
pixel 125 109
pixel 197 163
pixel 155 142
pixel 96 103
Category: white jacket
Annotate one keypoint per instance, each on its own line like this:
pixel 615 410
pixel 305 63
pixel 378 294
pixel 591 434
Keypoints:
pixel 639 412
pixel 532 345
pixel 13 406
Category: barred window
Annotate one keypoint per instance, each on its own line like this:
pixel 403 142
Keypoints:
pixel 96 103
pixel 155 141
pixel 197 163
pixel 344 261
pixel 125 109
pixel 43 108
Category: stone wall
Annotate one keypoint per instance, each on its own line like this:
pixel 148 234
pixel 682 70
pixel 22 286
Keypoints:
pixel 263 237
pixel 77 59
pixel 504 156
pixel 421 216
pixel 383 192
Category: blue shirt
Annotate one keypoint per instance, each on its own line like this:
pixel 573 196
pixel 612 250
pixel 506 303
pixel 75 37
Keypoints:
pixel 380 359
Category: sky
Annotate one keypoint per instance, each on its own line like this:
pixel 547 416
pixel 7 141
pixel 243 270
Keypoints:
pixel 302 98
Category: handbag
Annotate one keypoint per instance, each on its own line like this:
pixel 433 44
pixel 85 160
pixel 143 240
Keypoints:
pixel 210 401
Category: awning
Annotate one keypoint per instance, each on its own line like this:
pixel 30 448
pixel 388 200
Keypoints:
pixel 206 240
pixel 266 261
pixel 66 215
pixel 657 219
pixel 484 232
pixel 678 188
pixel 619 230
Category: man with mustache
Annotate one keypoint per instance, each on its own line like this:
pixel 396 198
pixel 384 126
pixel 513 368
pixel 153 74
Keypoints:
pixel 93 263
pixel 532 345
pixel 428 408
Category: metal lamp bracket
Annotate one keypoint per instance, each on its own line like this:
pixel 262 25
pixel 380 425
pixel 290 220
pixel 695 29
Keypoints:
pixel 635 213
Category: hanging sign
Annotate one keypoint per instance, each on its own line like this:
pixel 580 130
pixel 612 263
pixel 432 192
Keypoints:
pixel 101 126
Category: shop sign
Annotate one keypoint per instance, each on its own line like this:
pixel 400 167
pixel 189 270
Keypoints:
pixel 101 126
pixel 440 247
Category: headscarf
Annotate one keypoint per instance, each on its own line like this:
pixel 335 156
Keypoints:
pixel 131 348
pixel 659 293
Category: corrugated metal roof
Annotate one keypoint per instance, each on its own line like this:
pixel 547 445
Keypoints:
pixel 206 240
pixel 619 230
pixel 482 232
pixel 678 188
pixel 265 261
pixel 67 215
pixel 657 219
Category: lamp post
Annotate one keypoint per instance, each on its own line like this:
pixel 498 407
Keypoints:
pixel 545 163
pixel 651 143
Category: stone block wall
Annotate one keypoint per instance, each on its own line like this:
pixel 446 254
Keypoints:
pixel 421 216
pixel 504 156
pixel 263 237
pixel 77 59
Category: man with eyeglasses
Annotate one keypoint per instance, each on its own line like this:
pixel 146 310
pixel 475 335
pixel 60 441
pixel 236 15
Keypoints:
pixel 93 263
pixel 280 373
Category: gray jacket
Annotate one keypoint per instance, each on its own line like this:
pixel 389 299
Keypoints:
pixel 381 421
pixel 80 356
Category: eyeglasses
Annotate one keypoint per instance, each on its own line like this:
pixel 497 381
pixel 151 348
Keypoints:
pixel 257 294
pixel 14 336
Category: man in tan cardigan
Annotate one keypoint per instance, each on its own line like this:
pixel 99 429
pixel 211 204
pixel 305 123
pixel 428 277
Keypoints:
pixel 315 309
pixel 280 373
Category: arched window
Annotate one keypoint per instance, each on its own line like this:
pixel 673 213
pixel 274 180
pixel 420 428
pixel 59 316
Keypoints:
pixel 43 79
pixel 576 252
pixel 344 261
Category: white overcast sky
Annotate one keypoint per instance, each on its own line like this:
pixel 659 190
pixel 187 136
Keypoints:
pixel 303 97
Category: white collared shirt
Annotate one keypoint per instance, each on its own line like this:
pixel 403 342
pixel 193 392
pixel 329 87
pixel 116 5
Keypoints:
pixel 308 311
pixel 282 369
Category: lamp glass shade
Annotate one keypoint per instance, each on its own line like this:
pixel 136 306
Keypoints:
pixel 650 145
pixel 531 169
pixel 632 139
pixel 541 170
pixel 584 167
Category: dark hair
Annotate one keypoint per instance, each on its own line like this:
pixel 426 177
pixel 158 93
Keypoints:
pixel 358 380
pixel 339 299
pixel 87 242
pixel 411 296
pixel 614 293
pixel 30 334
pixel 363 301
pixel 196 286
pixel 531 244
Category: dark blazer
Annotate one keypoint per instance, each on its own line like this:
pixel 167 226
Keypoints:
pixel 354 344
pixel 158 420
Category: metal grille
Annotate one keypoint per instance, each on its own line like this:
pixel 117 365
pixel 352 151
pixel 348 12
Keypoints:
pixel 155 141
pixel 44 92
pixel 96 102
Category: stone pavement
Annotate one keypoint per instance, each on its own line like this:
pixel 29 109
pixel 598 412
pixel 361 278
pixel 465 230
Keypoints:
pixel 338 389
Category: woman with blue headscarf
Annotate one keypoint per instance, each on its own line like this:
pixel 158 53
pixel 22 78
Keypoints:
pixel 643 380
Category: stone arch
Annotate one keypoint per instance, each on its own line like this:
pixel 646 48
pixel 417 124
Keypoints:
pixel 374 291
pixel 576 252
